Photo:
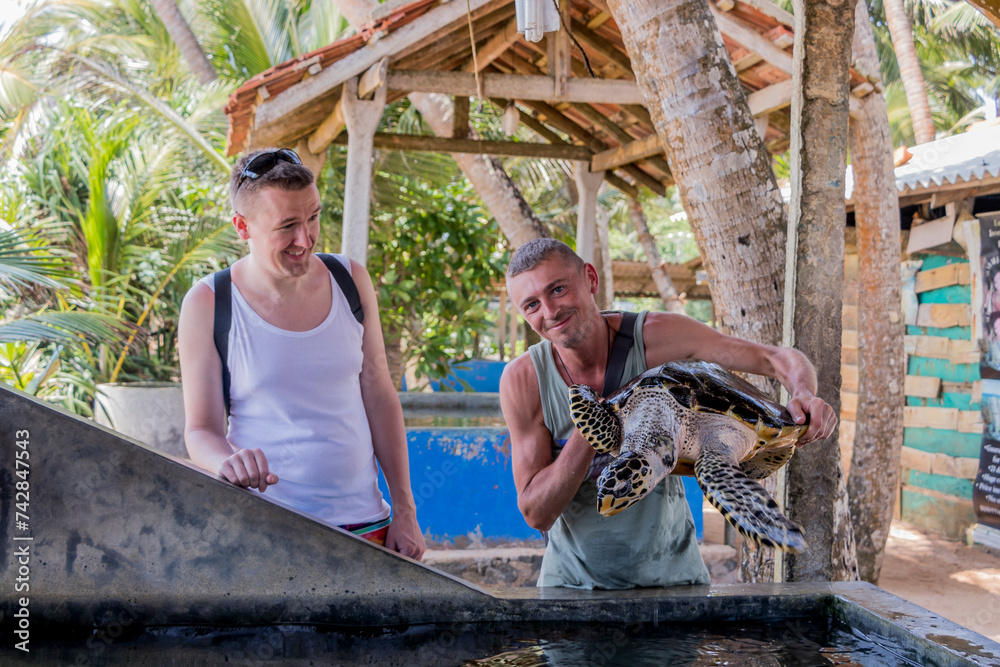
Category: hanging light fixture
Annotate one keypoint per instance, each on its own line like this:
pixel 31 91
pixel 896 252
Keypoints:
pixel 510 119
pixel 535 17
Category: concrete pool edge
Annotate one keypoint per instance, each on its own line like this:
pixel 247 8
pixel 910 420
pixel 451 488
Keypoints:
pixel 118 534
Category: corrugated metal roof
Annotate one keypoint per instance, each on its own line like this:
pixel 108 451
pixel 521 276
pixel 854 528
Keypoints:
pixel 962 158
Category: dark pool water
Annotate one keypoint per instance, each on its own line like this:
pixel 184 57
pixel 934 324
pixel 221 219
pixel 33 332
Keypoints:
pixel 799 642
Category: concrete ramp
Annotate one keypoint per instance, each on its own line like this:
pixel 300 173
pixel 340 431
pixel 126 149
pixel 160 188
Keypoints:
pixel 97 528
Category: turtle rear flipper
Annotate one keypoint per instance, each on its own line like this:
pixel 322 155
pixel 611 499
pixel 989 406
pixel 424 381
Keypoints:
pixel 745 503
pixel 766 461
pixel 596 423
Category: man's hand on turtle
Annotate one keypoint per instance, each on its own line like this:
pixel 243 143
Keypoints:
pixel 248 468
pixel 805 407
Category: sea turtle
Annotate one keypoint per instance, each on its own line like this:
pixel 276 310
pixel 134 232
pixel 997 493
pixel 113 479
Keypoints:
pixel 693 412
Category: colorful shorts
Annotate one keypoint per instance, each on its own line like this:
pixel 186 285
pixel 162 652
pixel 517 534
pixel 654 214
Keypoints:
pixel 373 532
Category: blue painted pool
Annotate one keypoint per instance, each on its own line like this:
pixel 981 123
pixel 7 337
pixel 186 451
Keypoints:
pixel 460 472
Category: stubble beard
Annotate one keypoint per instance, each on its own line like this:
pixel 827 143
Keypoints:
pixel 575 338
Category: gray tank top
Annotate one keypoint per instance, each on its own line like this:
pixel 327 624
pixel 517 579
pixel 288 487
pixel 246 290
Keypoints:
pixel 652 543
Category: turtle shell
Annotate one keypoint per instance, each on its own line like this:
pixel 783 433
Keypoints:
pixel 708 387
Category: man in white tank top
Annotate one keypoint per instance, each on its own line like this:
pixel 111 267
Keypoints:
pixel 312 405
pixel 554 290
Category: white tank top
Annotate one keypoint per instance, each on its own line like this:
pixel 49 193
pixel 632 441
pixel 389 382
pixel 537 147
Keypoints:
pixel 297 396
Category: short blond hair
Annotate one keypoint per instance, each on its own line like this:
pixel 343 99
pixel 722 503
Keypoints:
pixel 536 251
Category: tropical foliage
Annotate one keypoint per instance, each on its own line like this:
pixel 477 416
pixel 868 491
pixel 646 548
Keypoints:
pixel 112 201
pixel 112 156
pixel 959 53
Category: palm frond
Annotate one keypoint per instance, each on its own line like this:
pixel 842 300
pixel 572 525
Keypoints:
pixel 198 249
pixel 24 262
pixel 322 24
pixel 65 327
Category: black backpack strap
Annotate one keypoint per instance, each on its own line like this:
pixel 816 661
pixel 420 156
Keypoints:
pixel 619 353
pixel 346 283
pixel 220 326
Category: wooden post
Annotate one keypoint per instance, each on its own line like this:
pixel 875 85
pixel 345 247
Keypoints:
pixel 587 182
pixel 559 55
pixel 606 295
pixel 512 337
pixel 362 118
pixel 502 322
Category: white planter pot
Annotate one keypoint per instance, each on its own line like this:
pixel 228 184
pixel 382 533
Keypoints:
pixel 150 412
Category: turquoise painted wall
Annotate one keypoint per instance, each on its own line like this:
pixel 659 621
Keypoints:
pixel 952 443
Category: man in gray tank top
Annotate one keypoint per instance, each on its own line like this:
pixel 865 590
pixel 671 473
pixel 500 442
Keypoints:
pixel 653 543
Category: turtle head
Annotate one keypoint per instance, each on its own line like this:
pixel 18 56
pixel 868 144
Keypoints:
pixel 649 452
pixel 626 480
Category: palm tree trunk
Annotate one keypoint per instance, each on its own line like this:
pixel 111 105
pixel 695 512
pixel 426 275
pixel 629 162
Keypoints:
pixel 723 172
pixel 182 35
pixel 493 185
pixel 815 261
pixel 665 286
pixel 901 32
pixel 393 337
pixel 878 436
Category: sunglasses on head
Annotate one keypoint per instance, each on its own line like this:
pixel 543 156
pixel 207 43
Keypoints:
pixel 265 162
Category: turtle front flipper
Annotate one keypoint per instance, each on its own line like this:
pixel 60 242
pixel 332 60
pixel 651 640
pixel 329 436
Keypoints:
pixel 745 503
pixel 595 422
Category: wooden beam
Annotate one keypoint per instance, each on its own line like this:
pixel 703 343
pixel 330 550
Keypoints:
pixel 603 47
pixel 373 78
pixel 452 41
pixel 772 98
pixel 496 45
pixel 944 315
pixel 943 276
pixel 543 131
pixel 431 144
pixel 513 86
pixel 745 35
pixel 642 178
pixel 622 186
pixel 761 102
pixel 768 8
pixel 939 199
pixel 613 158
pixel 599 20
pixel 328 130
pixel 956 351
pixel 561 122
pixel 922 386
pixel 921 417
pixel 536 125
pixel 354 64
pixel 460 117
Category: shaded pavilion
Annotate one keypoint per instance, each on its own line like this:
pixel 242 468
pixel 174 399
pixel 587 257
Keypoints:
pixel 575 90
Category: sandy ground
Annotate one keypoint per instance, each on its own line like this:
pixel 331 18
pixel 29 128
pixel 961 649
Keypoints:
pixel 958 582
